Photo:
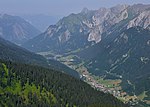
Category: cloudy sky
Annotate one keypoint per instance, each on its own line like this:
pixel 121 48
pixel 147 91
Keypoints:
pixel 58 7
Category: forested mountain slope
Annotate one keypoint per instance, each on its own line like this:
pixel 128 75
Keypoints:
pixel 26 85
pixel 125 57
pixel 12 52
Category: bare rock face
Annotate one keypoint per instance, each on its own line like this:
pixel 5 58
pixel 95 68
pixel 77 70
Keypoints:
pixel 96 24
pixel 65 36
pixel 88 27
pixel 49 32
pixel 142 20
pixel 103 19
pixel 94 36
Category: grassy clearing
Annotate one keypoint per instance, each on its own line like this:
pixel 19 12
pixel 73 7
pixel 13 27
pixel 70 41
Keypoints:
pixel 109 83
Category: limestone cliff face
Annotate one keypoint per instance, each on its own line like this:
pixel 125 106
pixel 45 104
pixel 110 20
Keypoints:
pixel 143 20
pixel 97 22
pixel 87 27
pixel 104 18
pixel 91 22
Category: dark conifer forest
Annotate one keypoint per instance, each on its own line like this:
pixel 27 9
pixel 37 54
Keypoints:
pixel 24 85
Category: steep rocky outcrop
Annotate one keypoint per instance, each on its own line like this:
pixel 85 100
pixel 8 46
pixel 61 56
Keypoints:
pixel 143 20
pixel 89 27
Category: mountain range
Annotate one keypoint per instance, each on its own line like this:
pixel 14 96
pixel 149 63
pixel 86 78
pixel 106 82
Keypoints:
pixel 16 29
pixel 28 79
pixel 111 43
pixel 107 48
pixel 89 27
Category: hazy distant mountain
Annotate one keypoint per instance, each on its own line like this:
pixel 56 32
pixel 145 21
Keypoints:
pixel 41 21
pixel 79 31
pixel 16 29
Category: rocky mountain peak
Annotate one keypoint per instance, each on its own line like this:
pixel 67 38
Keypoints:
pixel 137 8
pixel 143 20
pixel 90 26
pixel 85 10
pixel 118 8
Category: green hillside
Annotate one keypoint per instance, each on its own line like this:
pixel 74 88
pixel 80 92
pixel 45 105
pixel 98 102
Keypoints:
pixel 14 53
pixel 31 86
